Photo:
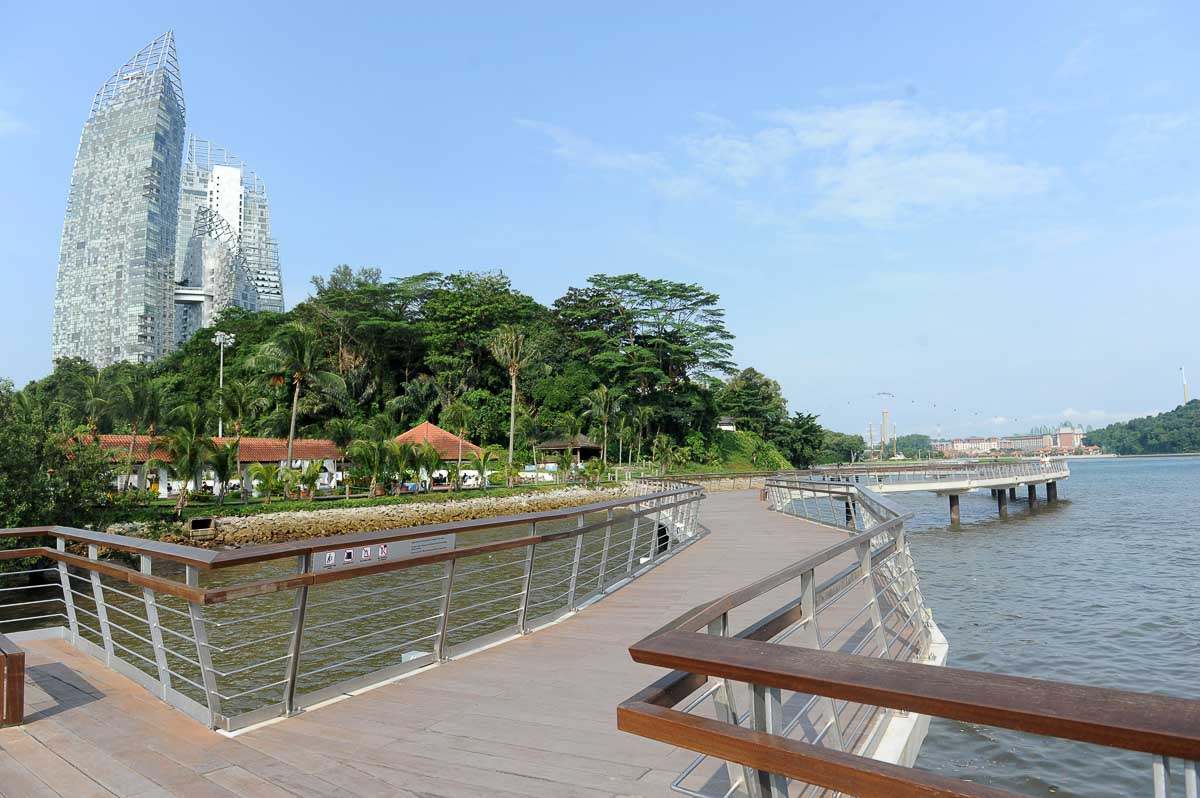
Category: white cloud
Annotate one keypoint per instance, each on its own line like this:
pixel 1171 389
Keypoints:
pixel 875 163
pixel 575 148
pixel 10 125
pixel 879 189
pixel 1139 136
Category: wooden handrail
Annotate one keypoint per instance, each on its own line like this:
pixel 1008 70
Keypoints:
pixel 1147 722
pixel 209 559
pixel 811 764
pixel 219 595
pixel 12 683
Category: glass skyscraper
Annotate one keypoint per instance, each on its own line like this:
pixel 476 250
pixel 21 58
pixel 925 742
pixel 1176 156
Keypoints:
pixel 114 298
pixel 222 198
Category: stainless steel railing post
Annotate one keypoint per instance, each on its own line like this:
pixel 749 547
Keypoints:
pixel 601 580
pixel 575 565
pixel 766 715
pixel 303 566
pixel 68 596
pixel 441 649
pixel 726 706
pixel 810 636
pixel 160 654
pixel 868 573
pixel 101 607
pixel 637 517
pixel 208 675
pixel 527 584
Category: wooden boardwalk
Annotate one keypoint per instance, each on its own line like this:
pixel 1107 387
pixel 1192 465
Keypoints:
pixel 534 716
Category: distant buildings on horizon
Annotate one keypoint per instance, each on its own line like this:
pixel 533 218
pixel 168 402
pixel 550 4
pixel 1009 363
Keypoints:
pixel 1066 439
pixel 153 248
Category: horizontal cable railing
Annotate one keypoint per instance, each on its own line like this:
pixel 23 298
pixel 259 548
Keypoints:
pixel 234 637
pixel 766 707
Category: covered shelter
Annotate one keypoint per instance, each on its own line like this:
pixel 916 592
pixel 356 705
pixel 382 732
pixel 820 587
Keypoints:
pixel 582 446
pixel 251 450
pixel 447 443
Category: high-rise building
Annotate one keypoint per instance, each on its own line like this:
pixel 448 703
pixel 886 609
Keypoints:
pixel 114 297
pixel 216 180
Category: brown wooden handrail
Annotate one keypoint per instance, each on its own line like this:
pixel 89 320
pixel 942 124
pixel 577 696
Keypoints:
pixel 210 559
pixel 219 595
pixel 1147 722
pixel 12 683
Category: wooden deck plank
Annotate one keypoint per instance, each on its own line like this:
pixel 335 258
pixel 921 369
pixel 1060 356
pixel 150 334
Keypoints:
pixel 534 716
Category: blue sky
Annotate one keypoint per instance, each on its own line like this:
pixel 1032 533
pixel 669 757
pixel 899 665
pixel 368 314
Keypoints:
pixel 991 211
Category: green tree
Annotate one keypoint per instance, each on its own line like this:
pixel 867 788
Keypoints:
pixel 457 418
pixel 188 450
pixel 268 478
pixel 293 357
pixel 510 347
pixel 309 477
pixel 224 462
pixel 341 432
pixel 377 456
pixel 600 405
pixel 481 463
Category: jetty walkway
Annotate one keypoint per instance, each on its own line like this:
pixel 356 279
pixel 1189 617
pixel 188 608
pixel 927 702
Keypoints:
pixel 728 644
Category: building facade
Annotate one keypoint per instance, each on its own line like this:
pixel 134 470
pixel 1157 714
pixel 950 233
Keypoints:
pixel 114 298
pixel 219 182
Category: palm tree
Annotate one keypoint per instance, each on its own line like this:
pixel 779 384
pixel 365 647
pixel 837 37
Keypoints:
pixel 269 478
pixel 600 404
pixel 94 399
pixel 341 433
pixel 457 417
pixel 481 462
pixel 662 452
pixel 512 349
pixel 377 456
pixel 309 477
pixel 427 458
pixel 406 460
pixel 643 415
pixel 240 403
pixel 224 461
pixel 564 461
pixel 294 356
pixel 143 409
pixel 188 450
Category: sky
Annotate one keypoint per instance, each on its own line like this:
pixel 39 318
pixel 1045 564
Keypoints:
pixel 983 216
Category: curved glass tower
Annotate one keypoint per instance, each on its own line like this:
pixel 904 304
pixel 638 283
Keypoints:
pixel 114 298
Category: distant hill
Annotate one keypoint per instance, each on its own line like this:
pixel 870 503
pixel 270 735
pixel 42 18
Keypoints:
pixel 1175 431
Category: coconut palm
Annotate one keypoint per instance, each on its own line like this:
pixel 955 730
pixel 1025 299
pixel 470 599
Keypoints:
pixel 481 462
pixel 662 452
pixel 600 405
pixel 309 477
pixel 188 451
pixel 341 433
pixel 241 404
pixel 376 456
pixel 457 417
pixel 427 458
pixel 269 478
pixel 94 399
pixel 564 460
pixel 643 416
pixel 293 356
pixel 406 461
pixel 224 462
pixel 143 410
pixel 513 350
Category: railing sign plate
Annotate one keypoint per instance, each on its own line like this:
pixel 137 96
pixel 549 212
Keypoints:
pixel 381 552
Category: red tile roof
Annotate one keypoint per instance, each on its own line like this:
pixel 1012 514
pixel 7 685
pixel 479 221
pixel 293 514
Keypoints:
pixel 253 450
pixel 446 442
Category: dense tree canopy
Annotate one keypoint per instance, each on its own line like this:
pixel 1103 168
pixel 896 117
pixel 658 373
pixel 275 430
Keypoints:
pixel 1176 430
pixel 636 363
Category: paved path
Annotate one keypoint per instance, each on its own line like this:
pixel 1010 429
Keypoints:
pixel 534 716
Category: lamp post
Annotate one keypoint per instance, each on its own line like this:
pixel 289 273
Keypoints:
pixel 222 340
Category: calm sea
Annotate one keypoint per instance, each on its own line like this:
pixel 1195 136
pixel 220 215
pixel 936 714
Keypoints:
pixel 1101 589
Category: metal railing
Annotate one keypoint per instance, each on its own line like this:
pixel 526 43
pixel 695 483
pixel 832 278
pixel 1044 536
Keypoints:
pixel 882 474
pixel 238 636
pixel 859 596
pixel 764 708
